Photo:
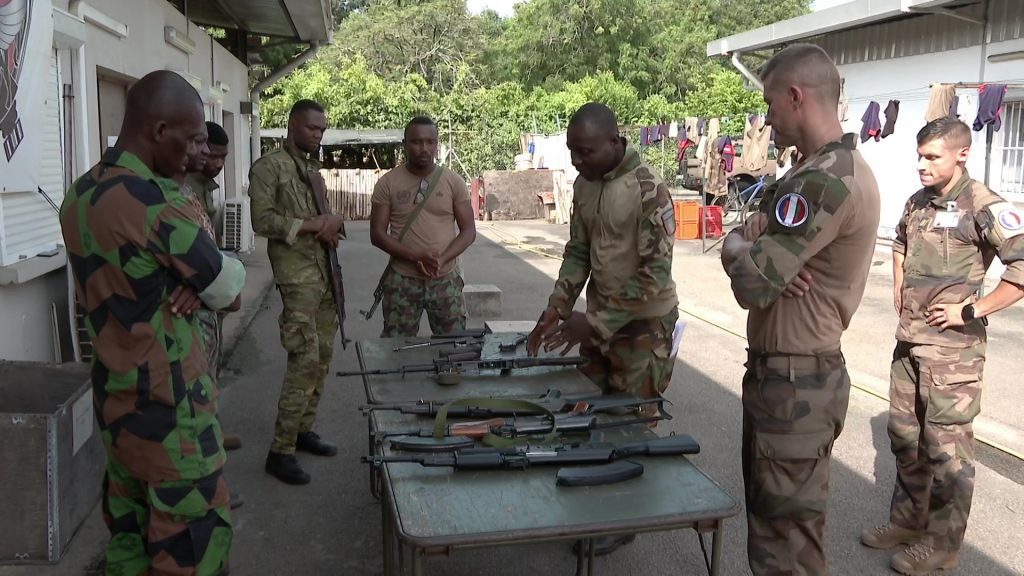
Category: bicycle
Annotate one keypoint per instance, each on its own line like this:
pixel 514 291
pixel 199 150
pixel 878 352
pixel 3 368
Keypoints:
pixel 736 203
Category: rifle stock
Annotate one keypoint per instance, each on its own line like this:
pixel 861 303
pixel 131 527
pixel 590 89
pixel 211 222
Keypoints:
pixel 337 280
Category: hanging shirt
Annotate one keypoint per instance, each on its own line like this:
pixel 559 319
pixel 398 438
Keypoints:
pixel 891 112
pixel 673 130
pixel 872 127
pixel 701 124
pixel 728 154
pixel 756 141
pixel 990 106
pixel 953 106
pixel 939 100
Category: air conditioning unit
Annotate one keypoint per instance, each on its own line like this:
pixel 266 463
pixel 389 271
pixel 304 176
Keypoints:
pixel 238 233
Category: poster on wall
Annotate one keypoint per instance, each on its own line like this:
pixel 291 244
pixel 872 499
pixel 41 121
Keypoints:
pixel 26 39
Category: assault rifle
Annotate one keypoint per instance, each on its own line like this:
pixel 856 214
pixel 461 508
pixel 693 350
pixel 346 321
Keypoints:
pixel 448 368
pixel 462 434
pixel 463 338
pixel 316 182
pixel 521 457
pixel 493 407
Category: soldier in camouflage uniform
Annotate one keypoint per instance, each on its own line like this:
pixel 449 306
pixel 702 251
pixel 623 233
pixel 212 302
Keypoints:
pixel 422 272
pixel 621 235
pixel 283 211
pixel 950 232
pixel 139 261
pixel 800 267
pixel 202 179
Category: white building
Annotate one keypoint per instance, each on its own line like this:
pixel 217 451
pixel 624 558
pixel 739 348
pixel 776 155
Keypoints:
pixel 894 50
pixel 80 57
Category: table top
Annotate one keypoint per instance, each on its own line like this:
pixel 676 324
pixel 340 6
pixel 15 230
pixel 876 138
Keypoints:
pixel 526 382
pixel 445 507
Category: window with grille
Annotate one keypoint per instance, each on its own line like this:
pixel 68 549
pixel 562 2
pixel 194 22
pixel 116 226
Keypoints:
pixel 1011 185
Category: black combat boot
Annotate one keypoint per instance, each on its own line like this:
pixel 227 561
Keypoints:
pixel 286 468
pixel 311 442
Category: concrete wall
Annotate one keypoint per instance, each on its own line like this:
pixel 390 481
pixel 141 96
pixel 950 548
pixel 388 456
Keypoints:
pixel 512 195
pixel 25 308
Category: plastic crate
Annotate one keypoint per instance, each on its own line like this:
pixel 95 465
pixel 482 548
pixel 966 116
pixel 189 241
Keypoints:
pixel 713 222
pixel 687 215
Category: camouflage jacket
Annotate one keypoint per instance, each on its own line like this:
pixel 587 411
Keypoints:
pixel 204 189
pixel 131 241
pixel 281 199
pixel 621 235
pixel 822 216
pixel 947 254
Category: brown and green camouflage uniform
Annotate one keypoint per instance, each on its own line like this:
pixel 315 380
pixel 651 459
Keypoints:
pixel 621 235
pixel 131 242
pixel 822 216
pixel 281 199
pixel 935 389
pixel 204 189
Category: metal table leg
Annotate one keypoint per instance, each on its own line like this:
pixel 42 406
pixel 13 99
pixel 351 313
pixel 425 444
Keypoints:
pixel 375 474
pixel 417 562
pixel 580 552
pixel 592 546
pixel 387 534
pixel 716 549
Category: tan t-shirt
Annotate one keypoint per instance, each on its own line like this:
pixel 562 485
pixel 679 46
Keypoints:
pixel 434 228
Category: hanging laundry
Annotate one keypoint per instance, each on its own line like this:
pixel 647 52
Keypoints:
pixel 756 140
pixel 953 106
pixel 684 144
pixel 891 112
pixel 655 134
pixel 709 156
pixel 643 136
pixel 939 100
pixel 728 153
pixel 682 133
pixel 872 127
pixel 673 130
pixel 701 125
pixel 990 106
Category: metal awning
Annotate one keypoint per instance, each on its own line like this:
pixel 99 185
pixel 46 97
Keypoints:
pixel 337 137
pixel 842 17
pixel 298 20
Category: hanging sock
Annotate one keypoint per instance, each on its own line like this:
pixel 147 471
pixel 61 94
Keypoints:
pixel 891 112
pixel 990 106
pixel 872 127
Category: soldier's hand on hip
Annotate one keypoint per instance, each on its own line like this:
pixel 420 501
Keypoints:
pixel 184 301
pixel 800 285
pixel 569 333
pixel 944 316
pixel 545 324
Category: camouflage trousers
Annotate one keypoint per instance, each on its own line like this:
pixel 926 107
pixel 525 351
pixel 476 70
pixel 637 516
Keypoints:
pixel 934 395
pixel 637 359
pixel 175 528
pixel 794 408
pixel 209 333
pixel 308 324
pixel 406 298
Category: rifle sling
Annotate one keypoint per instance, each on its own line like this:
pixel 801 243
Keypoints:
pixel 510 404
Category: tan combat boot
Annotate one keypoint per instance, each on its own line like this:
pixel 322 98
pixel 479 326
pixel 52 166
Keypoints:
pixel 889 536
pixel 922 560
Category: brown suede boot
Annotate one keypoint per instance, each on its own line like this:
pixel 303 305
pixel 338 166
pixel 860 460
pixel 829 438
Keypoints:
pixel 889 536
pixel 922 560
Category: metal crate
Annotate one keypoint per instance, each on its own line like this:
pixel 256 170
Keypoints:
pixel 51 459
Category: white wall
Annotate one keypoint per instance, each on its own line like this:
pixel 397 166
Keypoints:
pixel 25 317
pixel 894 159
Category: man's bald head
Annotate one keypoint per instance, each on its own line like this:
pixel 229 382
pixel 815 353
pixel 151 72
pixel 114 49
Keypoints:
pixel 807 66
pixel 163 119
pixel 598 116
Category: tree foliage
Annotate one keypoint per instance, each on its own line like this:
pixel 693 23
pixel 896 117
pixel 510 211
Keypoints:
pixel 486 79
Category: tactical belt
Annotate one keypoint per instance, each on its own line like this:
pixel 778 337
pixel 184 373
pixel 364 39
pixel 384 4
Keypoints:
pixel 788 363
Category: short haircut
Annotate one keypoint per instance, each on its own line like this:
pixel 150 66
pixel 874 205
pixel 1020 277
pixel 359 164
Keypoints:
pixel 419 121
pixel 807 66
pixel 304 106
pixel 597 115
pixel 955 133
pixel 218 136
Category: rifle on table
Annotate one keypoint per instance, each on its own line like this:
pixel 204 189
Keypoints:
pixel 521 457
pixel 552 401
pixel 316 182
pixel 447 369
pixel 462 434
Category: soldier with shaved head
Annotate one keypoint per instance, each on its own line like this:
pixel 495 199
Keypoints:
pixel 950 231
pixel 141 267
pixel 800 267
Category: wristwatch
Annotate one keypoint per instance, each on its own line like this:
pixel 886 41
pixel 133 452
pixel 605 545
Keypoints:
pixel 967 314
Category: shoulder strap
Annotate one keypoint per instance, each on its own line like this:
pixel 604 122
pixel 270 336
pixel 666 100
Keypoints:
pixel 419 207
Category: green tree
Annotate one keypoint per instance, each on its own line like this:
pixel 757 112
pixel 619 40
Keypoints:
pixel 722 94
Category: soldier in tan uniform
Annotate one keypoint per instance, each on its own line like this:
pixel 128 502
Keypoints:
pixel 621 235
pixel 431 201
pixel 799 267
pixel 284 212
pixel 950 232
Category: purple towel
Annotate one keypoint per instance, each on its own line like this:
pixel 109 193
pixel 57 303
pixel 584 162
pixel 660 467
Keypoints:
pixel 872 127
pixel 990 106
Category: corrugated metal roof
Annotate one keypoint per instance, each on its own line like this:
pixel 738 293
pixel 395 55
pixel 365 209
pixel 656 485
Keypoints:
pixel 303 20
pixel 337 137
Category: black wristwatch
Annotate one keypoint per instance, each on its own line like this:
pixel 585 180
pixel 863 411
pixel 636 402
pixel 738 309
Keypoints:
pixel 967 314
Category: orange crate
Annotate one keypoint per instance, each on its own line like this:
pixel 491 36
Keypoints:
pixel 687 216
